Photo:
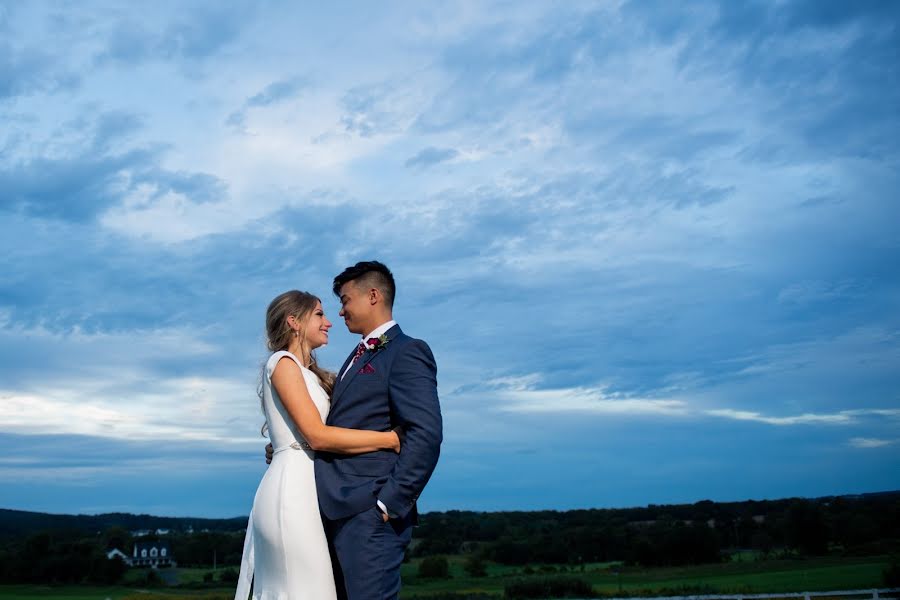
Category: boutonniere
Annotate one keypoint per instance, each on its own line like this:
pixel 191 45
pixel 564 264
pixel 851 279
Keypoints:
pixel 376 344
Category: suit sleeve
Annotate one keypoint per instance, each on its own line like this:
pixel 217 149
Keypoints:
pixel 414 403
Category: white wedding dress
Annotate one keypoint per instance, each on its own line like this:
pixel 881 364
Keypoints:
pixel 285 551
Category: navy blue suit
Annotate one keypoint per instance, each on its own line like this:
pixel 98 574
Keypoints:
pixel 395 385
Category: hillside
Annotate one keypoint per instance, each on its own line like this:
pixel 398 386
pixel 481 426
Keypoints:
pixel 18 522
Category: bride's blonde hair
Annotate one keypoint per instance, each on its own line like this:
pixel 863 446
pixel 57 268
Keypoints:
pixel 299 305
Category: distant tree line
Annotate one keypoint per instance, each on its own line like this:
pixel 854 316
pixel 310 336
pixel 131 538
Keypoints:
pixel 67 556
pixel 22 522
pixel 57 557
pixel 668 535
pixel 704 532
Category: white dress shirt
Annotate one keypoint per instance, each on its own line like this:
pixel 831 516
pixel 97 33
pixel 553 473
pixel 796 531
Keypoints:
pixel 377 332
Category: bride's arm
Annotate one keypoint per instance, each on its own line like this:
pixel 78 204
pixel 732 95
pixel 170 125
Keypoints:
pixel 291 387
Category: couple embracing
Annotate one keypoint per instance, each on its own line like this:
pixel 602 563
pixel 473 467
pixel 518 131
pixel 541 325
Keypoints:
pixel 350 452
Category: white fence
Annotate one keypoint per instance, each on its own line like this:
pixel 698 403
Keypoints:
pixel 875 594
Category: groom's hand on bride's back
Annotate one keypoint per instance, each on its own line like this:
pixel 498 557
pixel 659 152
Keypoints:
pixel 270 452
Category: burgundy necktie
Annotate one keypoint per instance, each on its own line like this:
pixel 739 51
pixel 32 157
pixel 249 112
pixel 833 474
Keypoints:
pixel 360 350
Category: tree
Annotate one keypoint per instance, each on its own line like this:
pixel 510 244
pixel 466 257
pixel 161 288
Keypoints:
pixel 106 570
pixel 891 575
pixel 806 528
pixel 117 537
pixel 434 567
pixel 475 566
pixel 153 579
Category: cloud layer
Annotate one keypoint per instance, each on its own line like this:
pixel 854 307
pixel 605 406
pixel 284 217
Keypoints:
pixel 628 231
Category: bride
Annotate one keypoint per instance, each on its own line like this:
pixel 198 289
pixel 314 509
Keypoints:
pixel 285 551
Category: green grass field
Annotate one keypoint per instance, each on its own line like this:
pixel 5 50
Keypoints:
pixel 77 592
pixel 820 574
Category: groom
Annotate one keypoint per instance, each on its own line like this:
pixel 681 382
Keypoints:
pixel 368 501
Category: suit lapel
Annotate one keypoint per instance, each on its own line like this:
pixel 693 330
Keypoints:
pixel 359 364
pixel 347 362
pixel 339 383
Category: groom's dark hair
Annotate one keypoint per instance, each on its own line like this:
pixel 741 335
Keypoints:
pixel 373 274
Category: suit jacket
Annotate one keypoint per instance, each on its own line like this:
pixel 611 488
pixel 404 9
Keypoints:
pixel 393 386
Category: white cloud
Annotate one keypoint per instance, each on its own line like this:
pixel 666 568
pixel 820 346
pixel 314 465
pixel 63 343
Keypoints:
pixel 173 218
pixel 841 418
pixel 107 385
pixel 520 395
pixel 190 409
pixel 893 413
pixel 628 224
pixel 844 417
pixel 859 442
pixel 116 467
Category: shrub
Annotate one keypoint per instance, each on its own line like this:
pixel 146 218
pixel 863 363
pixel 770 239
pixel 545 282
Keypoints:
pixel 450 596
pixel 547 569
pixel 155 596
pixel 891 575
pixel 106 570
pixel 114 570
pixel 152 579
pixel 549 587
pixel 434 567
pixel 475 566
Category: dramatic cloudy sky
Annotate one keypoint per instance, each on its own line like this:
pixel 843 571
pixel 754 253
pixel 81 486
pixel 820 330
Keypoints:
pixel 653 246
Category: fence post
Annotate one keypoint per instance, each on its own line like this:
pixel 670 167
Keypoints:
pixel 875 594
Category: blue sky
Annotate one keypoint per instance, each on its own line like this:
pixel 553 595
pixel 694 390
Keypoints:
pixel 653 246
